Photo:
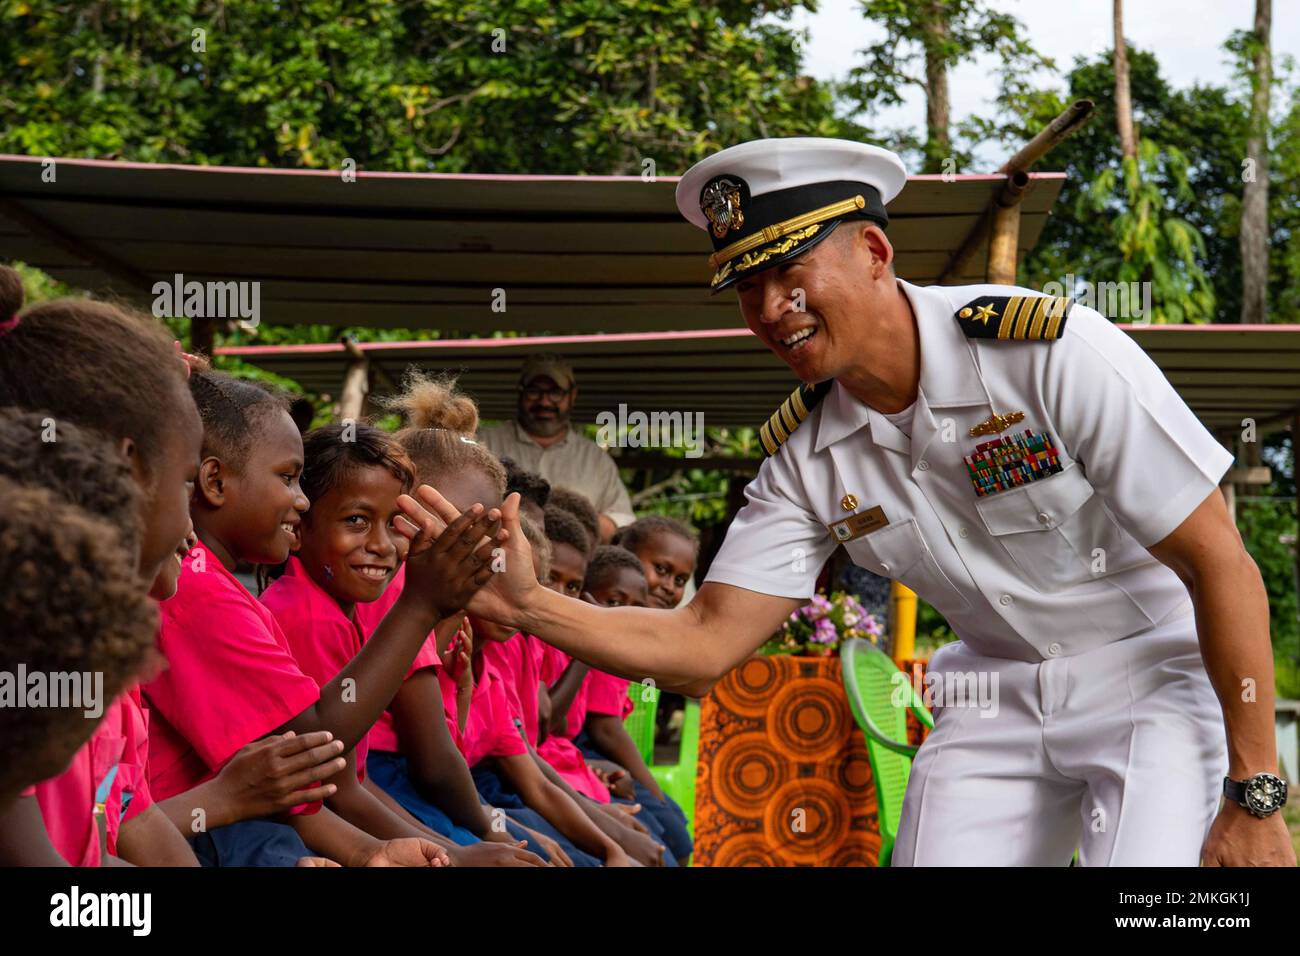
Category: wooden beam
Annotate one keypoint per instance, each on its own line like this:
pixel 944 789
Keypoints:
pixel 1074 116
pixel 1000 227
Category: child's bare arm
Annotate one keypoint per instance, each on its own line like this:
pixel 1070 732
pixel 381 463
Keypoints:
pixel 266 777
pixel 151 839
pixel 562 812
pixel 563 691
pixel 435 765
pixel 612 739
pixel 23 839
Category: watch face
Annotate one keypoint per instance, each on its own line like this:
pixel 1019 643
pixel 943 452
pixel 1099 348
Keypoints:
pixel 1265 793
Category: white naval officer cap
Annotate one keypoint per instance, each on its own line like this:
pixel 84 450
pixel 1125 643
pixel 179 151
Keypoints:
pixel 768 200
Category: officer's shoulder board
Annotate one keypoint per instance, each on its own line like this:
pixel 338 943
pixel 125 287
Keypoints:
pixel 791 415
pixel 1036 318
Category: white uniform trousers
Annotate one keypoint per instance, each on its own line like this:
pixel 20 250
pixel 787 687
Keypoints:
pixel 1119 752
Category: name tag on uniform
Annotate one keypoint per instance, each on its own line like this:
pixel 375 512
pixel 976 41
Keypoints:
pixel 855 526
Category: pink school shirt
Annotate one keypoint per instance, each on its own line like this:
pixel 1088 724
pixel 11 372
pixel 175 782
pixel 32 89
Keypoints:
pixel 383 736
pixel 231 678
pixel 559 750
pixel 516 660
pixel 68 801
pixel 490 729
pixel 320 636
pixel 129 795
pixel 607 694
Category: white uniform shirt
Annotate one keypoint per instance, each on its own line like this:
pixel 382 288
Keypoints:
pixel 1054 567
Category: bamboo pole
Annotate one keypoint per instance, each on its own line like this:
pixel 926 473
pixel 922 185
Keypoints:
pixel 356 383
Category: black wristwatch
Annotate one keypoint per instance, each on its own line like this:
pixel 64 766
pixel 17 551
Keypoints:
pixel 1262 794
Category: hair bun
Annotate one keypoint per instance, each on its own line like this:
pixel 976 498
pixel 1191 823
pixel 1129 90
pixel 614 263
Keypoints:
pixel 435 402
pixel 11 293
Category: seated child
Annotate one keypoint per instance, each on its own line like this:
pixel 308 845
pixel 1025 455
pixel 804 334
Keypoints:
pixel 615 579
pixel 232 678
pixel 440 422
pixel 72 605
pixel 668 551
pixel 349 550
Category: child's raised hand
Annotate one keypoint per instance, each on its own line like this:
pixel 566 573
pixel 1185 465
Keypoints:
pixel 278 772
pixel 408 851
pixel 449 562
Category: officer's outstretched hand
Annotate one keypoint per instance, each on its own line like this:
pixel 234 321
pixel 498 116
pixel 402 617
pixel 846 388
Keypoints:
pixel 513 582
pixel 1239 838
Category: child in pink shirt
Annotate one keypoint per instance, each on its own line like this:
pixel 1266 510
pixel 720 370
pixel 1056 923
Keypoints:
pixel 232 677
pixel 348 553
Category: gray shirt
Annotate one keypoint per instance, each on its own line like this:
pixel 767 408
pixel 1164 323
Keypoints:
pixel 573 462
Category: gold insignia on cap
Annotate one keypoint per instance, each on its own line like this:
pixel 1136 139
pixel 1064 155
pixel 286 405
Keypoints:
pixel 849 502
pixel 720 203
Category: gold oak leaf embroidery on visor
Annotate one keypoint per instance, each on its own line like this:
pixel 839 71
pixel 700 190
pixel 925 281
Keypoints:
pixel 752 259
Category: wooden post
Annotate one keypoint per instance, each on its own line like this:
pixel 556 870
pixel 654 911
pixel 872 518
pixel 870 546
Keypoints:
pixel 1004 243
pixel 356 384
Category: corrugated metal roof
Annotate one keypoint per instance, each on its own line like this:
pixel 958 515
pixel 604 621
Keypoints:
pixel 399 250
pixel 1224 372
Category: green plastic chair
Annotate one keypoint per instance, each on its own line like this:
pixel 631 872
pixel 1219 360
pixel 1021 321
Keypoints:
pixel 678 780
pixel 872 682
pixel 640 724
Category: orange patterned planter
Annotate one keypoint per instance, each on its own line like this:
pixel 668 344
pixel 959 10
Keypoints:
pixel 783 776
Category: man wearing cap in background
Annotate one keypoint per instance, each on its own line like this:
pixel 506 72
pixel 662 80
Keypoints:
pixel 540 439
pixel 1024 467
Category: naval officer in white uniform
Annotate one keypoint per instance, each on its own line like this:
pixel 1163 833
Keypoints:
pixel 1025 468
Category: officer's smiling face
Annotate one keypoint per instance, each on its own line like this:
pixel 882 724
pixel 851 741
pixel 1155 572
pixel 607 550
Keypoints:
pixel 837 282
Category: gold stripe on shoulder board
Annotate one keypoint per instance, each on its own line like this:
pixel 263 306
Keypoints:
pixel 791 414
pixel 1027 318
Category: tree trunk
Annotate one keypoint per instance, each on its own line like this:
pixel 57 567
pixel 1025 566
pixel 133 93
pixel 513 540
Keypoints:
pixel 1254 202
pixel 938 143
pixel 1123 99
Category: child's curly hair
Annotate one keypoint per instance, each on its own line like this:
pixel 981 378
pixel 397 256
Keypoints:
pixel 80 465
pixel 642 530
pixel 440 425
pixel 607 559
pixel 563 528
pixel 580 506
pixel 72 602
pixel 233 411
pixel 529 484
pixel 96 364
pixel 540 544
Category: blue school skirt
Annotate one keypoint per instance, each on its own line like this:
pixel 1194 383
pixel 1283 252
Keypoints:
pixel 250 843
pixel 499 794
pixel 667 815
pixel 389 771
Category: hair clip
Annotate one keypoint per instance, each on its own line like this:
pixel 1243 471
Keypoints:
pixel 186 358
pixel 11 323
